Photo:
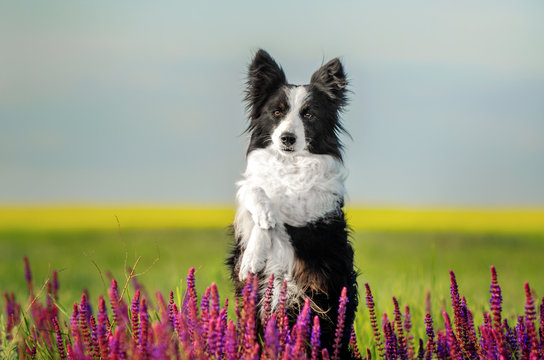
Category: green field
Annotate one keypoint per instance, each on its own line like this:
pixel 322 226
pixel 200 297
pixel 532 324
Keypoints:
pixel 400 263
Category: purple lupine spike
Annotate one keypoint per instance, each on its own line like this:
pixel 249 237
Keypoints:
pixel 271 345
pixel 442 348
pixel 391 344
pixel 117 345
pixel 135 317
pixel 523 338
pixel 231 342
pixel 69 352
pixel 190 308
pixel 339 333
pixel 60 341
pixel 451 339
pixel 95 348
pixel 220 329
pixel 205 312
pixel 28 276
pixel 301 330
pixel 315 342
pixel 469 342
pixel 249 294
pixel 407 330
pixel 13 312
pixel 421 350
pixel 282 302
pixel 325 354
pixel 460 317
pixel 373 321
pixel 214 301
pixel 74 321
pixel 102 328
pixel 530 317
pixel 191 289
pixel 114 302
pixel 211 340
pixel 267 301
pixel 353 343
pixel 511 339
pixel 143 333
pixel 496 299
pixel 183 333
pixel 83 321
pixel 172 310
pixel 430 334
pixel 402 347
pixel 160 348
pixel 541 328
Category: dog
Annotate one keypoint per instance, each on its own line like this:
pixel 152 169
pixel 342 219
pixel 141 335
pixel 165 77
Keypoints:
pixel 289 220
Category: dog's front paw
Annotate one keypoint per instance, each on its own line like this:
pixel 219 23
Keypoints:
pixel 250 264
pixel 264 217
pixel 254 257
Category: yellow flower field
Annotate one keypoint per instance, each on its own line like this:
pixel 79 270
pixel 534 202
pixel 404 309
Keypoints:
pixel 374 219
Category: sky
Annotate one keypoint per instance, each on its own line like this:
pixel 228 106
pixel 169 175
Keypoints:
pixel 141 102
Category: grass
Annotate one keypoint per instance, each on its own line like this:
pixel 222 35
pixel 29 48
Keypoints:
pixel 402 253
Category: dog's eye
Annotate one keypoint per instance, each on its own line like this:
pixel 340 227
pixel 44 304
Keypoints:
pixel 307 115
pixel 277 113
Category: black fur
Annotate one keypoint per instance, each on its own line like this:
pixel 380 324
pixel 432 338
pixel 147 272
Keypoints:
pixel 323 251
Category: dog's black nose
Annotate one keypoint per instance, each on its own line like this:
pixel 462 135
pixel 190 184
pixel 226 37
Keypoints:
pixel 288 139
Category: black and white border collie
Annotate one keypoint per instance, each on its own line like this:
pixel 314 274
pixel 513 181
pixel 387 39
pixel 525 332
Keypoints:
pixel 289 220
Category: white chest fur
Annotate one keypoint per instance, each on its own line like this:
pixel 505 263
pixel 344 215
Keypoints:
pixel 300 188
pixel 277 189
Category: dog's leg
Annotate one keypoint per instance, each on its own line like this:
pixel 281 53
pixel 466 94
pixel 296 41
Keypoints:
pixel 255 200
pixel 254 256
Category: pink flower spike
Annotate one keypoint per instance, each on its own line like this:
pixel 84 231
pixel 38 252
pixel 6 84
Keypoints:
pixel 315 343
pixel 340 324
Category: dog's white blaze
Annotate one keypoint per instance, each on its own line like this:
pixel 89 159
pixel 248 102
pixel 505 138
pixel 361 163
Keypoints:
pixel 292 122
pixel 278 190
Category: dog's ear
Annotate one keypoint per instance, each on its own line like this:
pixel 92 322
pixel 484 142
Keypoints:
pixel 331 80
pixel 264 76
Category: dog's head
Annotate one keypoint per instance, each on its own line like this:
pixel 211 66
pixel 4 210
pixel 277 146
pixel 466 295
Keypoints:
pixel 293 119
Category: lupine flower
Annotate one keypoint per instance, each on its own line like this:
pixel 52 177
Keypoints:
pixel 102 328
pixel 353 343
pixel 301 330
pixel 143 345
pixel 315 343
pixel 496 299
pixel 28 276
pixel 267 301
pixel 399 328
pixel 430 334
pixel 407 330
pixel 83 321
pixel 271 346
pixel 373 321
pixel 178 334
pixel 60 341
pixel 339 333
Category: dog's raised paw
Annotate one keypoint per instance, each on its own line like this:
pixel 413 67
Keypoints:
pixel 250 265
pixel 264 218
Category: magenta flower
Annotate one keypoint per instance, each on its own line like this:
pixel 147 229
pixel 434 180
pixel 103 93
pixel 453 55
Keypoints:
pixel 60 341
pixel 374 321
pixel 337 346
pixel 315 343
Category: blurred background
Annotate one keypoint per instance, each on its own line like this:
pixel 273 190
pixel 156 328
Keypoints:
pixel 121 137
pixel 141 102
